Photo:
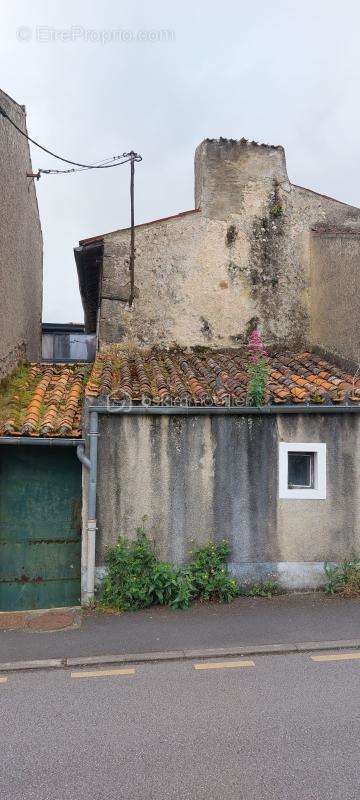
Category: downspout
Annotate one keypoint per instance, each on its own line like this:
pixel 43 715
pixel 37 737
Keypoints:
pixel 91 466
pixel 80 452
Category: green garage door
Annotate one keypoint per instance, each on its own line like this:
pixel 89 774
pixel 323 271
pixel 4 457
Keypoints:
pixel 40 527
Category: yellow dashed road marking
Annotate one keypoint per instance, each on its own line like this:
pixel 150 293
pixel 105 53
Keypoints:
pixel 3 679
pixel 336 657
pixel 224 664
pixel 102 673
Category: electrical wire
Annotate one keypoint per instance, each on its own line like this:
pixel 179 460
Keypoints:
pixel 81 169
pixel 99 165
pixel 76 166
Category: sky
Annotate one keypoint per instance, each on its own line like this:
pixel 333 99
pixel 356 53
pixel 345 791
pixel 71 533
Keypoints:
pixel 102 78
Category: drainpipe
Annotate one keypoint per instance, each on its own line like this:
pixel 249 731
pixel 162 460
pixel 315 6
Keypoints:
pixel 80 452
pixel 91 465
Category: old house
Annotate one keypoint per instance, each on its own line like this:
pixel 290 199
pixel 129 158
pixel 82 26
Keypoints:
pixel 255 250
pixel 21 245
pixel 161 424
pixel 177 442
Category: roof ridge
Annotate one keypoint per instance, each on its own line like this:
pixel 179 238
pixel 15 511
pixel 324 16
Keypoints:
pixel 99 237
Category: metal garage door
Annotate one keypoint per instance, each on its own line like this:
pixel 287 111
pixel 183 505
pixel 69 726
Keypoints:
pixel 40 527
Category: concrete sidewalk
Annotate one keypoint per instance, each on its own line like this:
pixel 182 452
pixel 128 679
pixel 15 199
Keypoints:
pixel 245 623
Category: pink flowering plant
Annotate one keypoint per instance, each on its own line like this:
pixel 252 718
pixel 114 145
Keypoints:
pixel 257 369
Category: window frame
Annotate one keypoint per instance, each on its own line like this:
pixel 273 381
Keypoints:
pixel 319 490
pixel 312 458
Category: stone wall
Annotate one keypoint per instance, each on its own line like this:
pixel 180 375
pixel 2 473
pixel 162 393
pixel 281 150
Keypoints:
pixel 335 291
pixel 206 277
pixel 207 477
pixel 21 246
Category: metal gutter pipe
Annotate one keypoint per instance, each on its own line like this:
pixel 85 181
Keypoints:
pixel 80 452
pixel 48 441
pixel 91 466
pixel 94 432
pixel 225 410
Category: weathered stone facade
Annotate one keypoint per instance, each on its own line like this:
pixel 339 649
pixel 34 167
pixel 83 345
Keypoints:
pixel 245 256
pixel 335 291
pixel 21 246
pixel 205 477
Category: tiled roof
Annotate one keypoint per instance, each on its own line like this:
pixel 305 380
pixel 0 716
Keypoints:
pixel 43 400
pixel 46 400
pixel 214 377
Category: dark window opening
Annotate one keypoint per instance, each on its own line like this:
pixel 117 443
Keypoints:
pixel 67 342
pixel 301 470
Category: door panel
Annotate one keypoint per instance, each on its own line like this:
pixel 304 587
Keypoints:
pixel 40 527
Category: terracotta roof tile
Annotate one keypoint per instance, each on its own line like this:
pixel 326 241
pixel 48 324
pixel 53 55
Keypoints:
pixel 46 399
pixel 43 400
pixel 211 377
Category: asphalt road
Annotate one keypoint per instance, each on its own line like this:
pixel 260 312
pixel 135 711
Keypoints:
pixel 286 727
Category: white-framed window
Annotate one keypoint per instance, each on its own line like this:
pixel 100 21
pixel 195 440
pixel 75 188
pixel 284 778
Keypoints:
pixel 302 470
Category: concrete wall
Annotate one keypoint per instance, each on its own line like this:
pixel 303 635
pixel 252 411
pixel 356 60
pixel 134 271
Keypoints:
pixel 205 277
pixel 21 246
pixel 335 291
pixel 210 477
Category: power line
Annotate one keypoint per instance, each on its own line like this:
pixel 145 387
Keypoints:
pixel 115 161
pixel 98 165
pixel 80 169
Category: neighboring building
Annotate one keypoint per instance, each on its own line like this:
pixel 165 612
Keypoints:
pixel 256 250
pixel 67 342
pixel 21 246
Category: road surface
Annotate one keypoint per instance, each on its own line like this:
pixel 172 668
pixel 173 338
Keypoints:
pixel 282 727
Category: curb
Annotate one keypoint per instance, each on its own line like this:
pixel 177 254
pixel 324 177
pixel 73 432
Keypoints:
pixel 181 655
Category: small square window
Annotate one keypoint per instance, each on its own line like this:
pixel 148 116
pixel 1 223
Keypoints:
pixel 302 471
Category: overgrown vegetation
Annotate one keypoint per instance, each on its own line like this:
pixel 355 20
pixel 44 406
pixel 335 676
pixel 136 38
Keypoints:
pixel 15 393
pixel 257 370
pixel 316 398
pixel 17 390
pixel 136 578
pixel 258 375
pixel 276 210
pixel 344 578
pixel 267 588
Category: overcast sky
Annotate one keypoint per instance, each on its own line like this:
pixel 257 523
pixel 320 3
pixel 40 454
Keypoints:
pixel 279 72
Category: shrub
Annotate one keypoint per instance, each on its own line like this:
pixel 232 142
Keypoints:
pixel 209 573
pixel 344 579
pixel 137 579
